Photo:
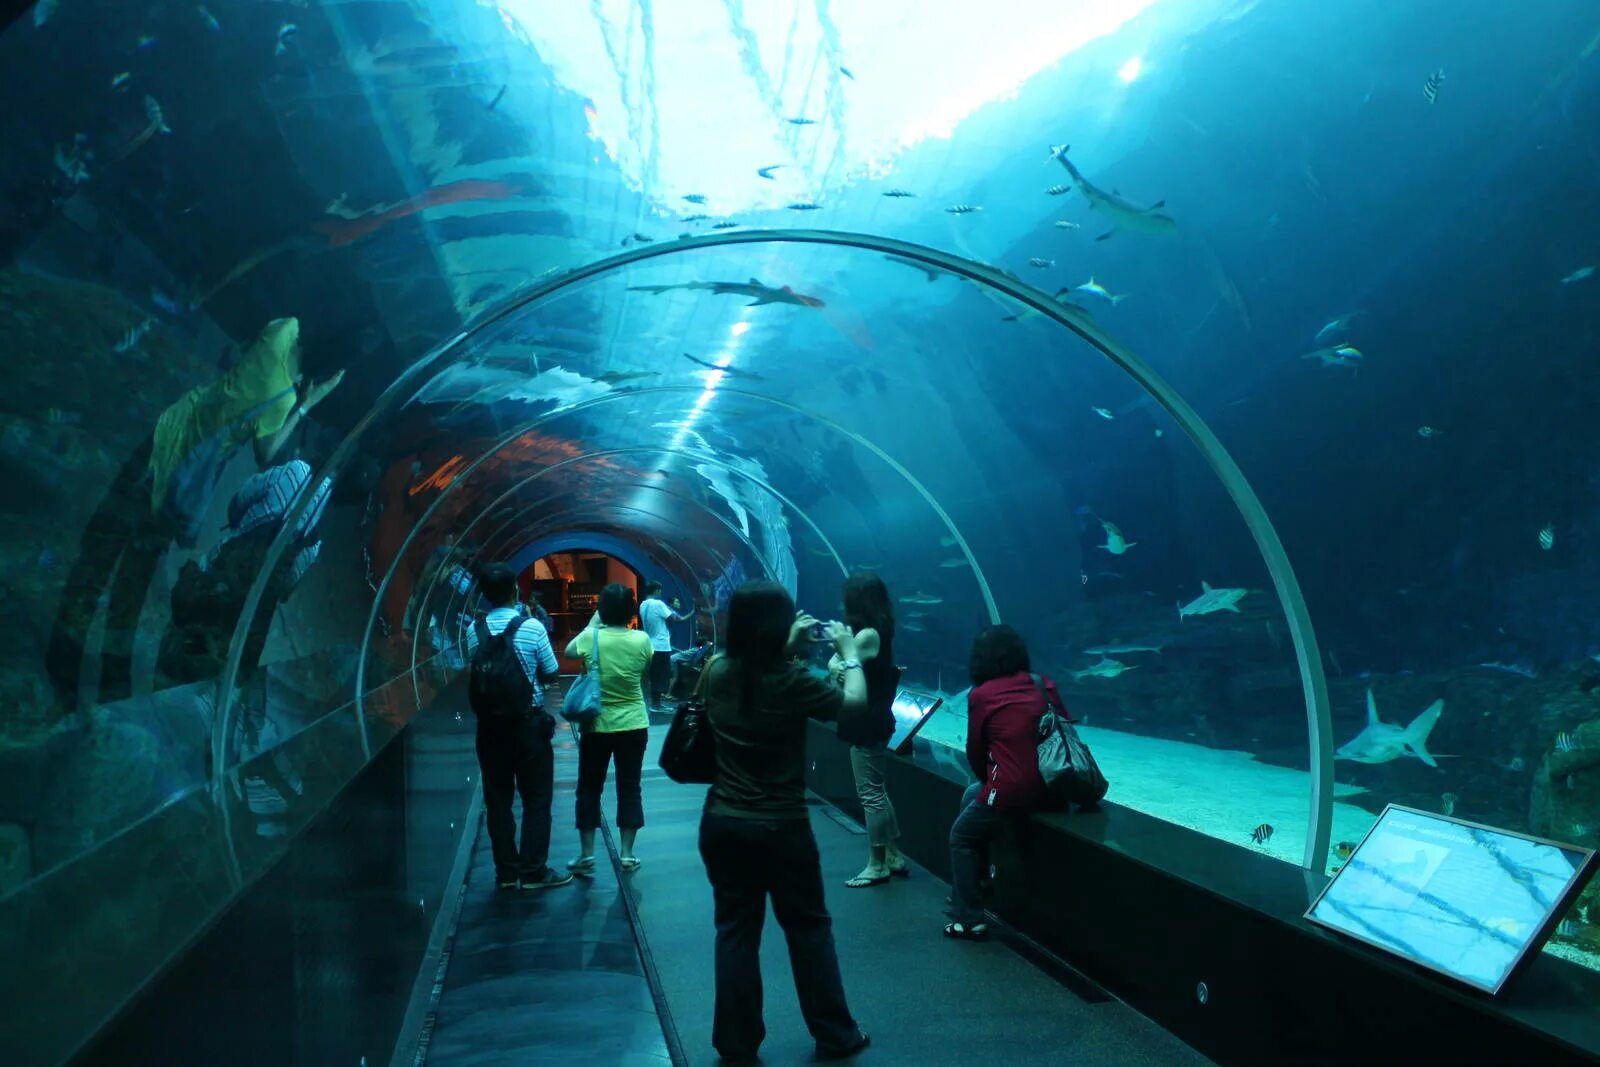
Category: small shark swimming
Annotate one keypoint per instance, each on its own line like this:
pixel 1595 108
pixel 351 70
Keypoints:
pixel 1212 600
pixel 1336 325
pixel 759 293
pixel 1115 544
pixel 729 372
pixel 1106 668
pixel 1120 650
pixel 1336 356
pixel 1380 742
pixel 933 273
pixel 1123 214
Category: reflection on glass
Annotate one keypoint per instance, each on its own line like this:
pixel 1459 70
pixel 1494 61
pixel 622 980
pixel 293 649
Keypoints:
pixel 1468 901
pixel 912 709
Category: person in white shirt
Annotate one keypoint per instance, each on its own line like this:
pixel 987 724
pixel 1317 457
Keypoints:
pixel 654 615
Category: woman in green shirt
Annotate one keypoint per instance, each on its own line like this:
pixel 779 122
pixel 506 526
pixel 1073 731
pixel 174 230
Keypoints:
pixel 622 730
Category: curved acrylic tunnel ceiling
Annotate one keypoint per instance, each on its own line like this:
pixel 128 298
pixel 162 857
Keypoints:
pixel 740 396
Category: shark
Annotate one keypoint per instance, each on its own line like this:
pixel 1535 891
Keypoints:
pixel 1106 668
pixel 1380 742
pixel 1121 650
pixel 759 294
pixel 1115 544
pixel 1123 214
pixel 728 372
pixel 1337 325
pixel 1336 356
pixel 1212 600
pixel 933 273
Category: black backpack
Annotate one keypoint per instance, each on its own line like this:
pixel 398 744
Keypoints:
pixel 498 688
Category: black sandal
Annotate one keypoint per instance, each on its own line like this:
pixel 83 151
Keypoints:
pixel 963 932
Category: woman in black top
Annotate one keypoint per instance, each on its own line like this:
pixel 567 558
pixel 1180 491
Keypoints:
pixel 870 616
pixel 755 835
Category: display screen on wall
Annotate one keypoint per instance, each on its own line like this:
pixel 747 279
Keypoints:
pixel 1464 900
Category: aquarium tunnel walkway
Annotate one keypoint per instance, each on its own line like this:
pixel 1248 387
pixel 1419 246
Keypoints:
pixel 463 1013
pixel 1232 479
pixel 1113 927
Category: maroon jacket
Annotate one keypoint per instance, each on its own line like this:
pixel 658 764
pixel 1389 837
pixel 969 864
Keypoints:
pixel 1003 741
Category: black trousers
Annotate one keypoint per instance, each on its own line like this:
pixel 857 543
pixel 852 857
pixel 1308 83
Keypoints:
pixel 660 676
pixel 516 758
pixel 748 860
pixel 595 752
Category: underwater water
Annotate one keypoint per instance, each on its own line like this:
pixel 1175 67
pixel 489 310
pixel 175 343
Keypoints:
pixel 1358 241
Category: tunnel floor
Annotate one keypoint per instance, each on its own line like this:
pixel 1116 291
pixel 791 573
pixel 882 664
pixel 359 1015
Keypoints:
pixel 564 974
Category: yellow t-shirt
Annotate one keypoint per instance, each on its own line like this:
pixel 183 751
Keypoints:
pixel 624 659
pixel 262 383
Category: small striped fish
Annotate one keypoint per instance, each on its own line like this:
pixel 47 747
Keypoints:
pixel 1430 88
pixel 1058 190
pixel 1041 263
pixel 1261 834
pixel 1565 743
pixel 962 209
pixel 1547 537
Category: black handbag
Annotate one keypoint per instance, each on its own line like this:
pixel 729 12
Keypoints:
pixel 1065 763
pixel 689 753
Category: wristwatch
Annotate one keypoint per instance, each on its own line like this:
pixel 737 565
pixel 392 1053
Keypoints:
pixel 846 664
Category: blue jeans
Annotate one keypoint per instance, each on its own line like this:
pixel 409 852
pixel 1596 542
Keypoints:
pixel 970 834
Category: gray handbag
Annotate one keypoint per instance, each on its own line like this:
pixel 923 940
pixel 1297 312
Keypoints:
pixel 582 702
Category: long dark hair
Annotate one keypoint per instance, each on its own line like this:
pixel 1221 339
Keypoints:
pixel 867 606
pixel 997 651
pixel 760 615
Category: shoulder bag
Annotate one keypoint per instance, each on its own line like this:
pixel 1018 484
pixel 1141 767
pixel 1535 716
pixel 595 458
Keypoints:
pixel 1068 769
pixel 689 753
pixel 582 702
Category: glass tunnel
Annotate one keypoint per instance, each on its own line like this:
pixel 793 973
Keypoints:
pixel 1193 339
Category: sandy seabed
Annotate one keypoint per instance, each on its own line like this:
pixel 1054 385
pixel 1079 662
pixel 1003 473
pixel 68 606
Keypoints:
pixel 1218 792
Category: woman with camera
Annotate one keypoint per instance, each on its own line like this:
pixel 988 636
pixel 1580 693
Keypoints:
pixel 755 834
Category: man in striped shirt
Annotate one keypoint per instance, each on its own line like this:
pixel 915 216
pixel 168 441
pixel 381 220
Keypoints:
pixel 263 502
pixel 209 594
pixel 515 752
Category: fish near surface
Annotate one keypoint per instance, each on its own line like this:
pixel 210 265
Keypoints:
pixel 1381 742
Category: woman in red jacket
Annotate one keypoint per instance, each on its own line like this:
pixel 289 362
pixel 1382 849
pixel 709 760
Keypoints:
pixel 1004 707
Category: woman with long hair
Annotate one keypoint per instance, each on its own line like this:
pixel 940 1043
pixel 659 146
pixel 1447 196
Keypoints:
pixel 622 730
pixel 755 835
pixel 870 616
pixel 1004 707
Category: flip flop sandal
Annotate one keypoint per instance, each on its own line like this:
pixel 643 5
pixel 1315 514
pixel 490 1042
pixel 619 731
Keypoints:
pixel 581 865
pixel 963 932
pixel 859 882
pixel 631 863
